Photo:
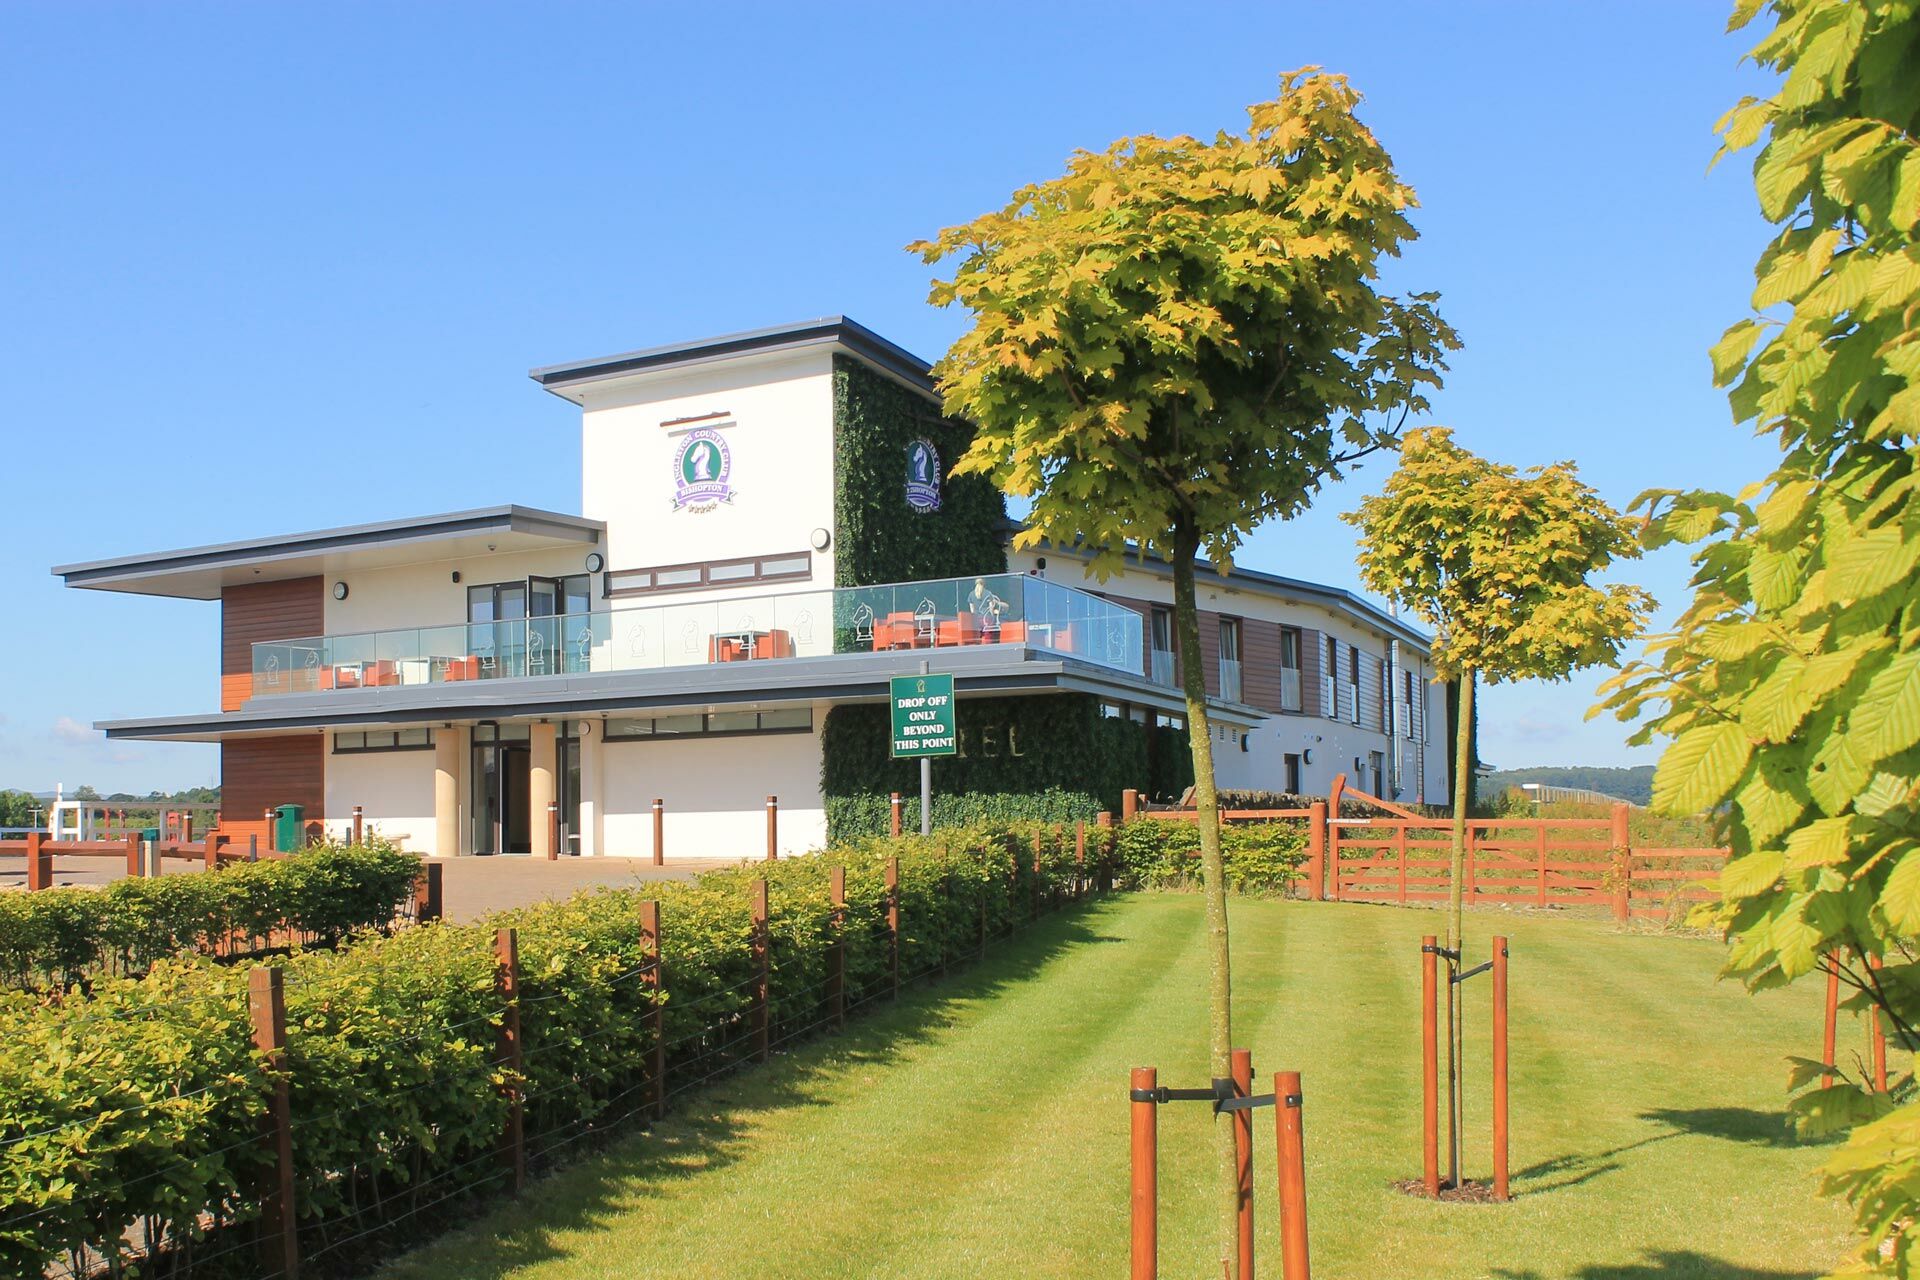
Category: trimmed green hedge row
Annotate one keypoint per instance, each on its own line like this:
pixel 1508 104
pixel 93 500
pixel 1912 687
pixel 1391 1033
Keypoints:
pixel 57 937
pixel 1164 853
pixel 133 1114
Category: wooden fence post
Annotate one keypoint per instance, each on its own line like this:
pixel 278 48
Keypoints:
pixel 186 827
pixel 426 894
pixel 1430 1064
pixel 1242 1074
pixel 553 831
pixel 1033 890
pixel 762 973
pixel 211 853
pixel 506 985
pixel 1540 854
pixel 39 863
pixel 1829 1032
pixel 279 1237
pixel 837 955
pixel 895 805
pixel 1145 1196
pixel 359 827
pixel 134 860
pixel 893 924
pixel 653 982
pixel 1316 851
pixel 659 832
pixel 1079 857
pixel 1500 1068
pixel 1103 822
pixel 1400 855
pixel 1622 866
pixel 1288 1105
pixel 773 828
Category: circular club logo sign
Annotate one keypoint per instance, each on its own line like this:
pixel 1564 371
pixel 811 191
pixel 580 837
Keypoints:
pixel 702 471
pixel 923 476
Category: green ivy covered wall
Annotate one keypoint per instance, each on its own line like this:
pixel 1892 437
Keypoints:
pixel 878 537
pixel 1052 757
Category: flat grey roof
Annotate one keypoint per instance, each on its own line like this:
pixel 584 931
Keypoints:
pixel 199 572
pixel 851 677
pixel 825 331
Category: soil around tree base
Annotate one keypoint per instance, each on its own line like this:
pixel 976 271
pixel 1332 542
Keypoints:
pixel 1468 1192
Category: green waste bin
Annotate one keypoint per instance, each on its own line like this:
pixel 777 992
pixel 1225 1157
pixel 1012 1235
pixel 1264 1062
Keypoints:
pixel 287 836
pixel 150 834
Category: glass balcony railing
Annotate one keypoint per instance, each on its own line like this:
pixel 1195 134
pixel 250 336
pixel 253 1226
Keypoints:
pixel 1230 679
pixel 1289 688
pixel 1163 672
pixel 952 612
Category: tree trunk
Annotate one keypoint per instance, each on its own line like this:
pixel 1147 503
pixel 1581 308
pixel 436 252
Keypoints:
pixel 1206 803
pixel 1462 793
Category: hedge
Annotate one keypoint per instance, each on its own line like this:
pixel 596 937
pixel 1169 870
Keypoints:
pixel 1163 853
pixel 129 1117
pixel 59 937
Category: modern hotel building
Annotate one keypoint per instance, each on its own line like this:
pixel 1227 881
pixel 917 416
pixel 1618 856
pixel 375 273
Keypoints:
pixel 767 534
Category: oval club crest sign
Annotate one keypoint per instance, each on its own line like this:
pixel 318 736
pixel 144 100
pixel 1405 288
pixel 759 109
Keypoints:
pixel 923 476
pixel 702 471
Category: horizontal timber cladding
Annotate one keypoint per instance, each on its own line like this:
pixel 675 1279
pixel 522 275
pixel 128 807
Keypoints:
pixel 1313 670
pixel 1209 627
pixel 257 774
pixel 257 611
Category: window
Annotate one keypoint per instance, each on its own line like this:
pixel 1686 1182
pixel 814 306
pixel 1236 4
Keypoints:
pixel 1291 762
pixel 1290 668
pixel 637 728
pixel 1406 718
pixel 1329 676
pixel 1353 685
pixel 1230 659
pixel 383 740
pixel 502 732
pixel 1160 642
pixel 778 567
pixel 1386 698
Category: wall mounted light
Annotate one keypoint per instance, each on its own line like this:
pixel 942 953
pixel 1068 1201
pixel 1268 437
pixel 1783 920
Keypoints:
pixel 821 539
pixel 339 591
pixel 456 577
pixel 1306 756
pixel 595 562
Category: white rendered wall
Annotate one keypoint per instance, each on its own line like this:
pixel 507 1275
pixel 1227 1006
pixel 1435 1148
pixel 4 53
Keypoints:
pixel 776 416
pixel 716 792
pixel 424 594
pixel 394 790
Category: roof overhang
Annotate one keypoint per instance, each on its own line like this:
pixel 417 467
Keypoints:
pixel 199 573
pixel 857 677
pixel 574 380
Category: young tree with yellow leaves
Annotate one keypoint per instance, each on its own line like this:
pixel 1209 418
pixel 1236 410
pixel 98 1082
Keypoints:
pixel 1499 564
pixel 1178 340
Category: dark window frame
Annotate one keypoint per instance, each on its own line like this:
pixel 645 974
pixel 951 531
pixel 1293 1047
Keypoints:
pixel 334 747
pixel 608 735
pixel 611 587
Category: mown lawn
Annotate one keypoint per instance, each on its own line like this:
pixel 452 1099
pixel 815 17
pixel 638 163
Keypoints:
pixel 980 1128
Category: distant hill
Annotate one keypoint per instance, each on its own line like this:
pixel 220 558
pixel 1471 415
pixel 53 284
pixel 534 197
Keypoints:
pixel 1635 784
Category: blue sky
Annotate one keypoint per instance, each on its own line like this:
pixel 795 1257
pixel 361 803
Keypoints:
pixel 273 267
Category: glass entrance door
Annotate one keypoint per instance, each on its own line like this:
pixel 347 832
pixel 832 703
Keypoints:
pixel 502 779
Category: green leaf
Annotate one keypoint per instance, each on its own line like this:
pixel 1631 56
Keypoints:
pixel 1900 896
pixel 1755 874
pixel 1820 843
pixel 1701 768
pixel 1886 721
pixel 1730 353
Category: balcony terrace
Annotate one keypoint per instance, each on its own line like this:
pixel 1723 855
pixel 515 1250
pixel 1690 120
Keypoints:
pixel 993 609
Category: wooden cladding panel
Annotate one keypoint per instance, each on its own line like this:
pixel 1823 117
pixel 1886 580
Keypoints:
pixel 257 611
pixel 1260 664
pixel 1313 667
pixel 1209 623
pixel 257 774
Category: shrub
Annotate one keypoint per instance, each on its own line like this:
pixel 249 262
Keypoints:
pixel 139 1103
pixel 57 937
pixel 1162 853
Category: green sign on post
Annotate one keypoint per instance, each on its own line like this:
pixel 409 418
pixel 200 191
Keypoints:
pixel 923 716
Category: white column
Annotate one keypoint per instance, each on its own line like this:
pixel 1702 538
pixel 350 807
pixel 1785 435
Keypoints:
pixel 592 825
pixel 541 790
pixel 449 749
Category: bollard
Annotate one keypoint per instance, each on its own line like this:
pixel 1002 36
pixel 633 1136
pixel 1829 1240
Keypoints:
pixel 359 827
pixel 39 863
pixel 1145 1198
pixel 893 924
pixel 426 894
pixel 652 981
pixel 659 832
pixel 278 1233
pixel 897 805
pixel 253 847
pixel 1243 1158
pixel 1827 1046
pixel 506 985
pixel 553 831
pixel 773 828
pixel 1429 1065
pixel 1288 1122
pixel 1500 1069
pixel 134 867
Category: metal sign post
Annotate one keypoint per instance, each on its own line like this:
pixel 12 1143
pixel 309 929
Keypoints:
pixel 923 727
